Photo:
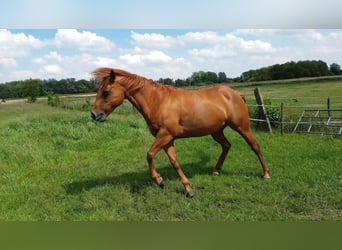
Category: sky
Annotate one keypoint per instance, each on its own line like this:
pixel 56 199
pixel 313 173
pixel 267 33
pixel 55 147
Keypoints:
pixel 159 39
pixel 170 14
pixel 174 53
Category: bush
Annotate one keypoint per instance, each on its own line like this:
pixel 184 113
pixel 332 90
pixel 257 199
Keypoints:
pixel 87 105
pixel 53 99
pixel 273 113
pixel 31 89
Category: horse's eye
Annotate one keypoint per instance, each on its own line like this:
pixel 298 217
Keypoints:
pixel 105 94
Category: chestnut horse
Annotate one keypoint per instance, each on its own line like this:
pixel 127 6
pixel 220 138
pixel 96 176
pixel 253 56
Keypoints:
pixel 172 113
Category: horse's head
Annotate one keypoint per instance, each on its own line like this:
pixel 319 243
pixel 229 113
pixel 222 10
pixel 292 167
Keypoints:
pixel 109 95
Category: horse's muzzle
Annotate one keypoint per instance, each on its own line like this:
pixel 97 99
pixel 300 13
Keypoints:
pixel 98 116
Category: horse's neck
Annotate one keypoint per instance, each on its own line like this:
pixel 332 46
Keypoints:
pixel 144 100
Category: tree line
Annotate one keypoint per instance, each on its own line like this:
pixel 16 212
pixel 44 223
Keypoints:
pixel 33 88
pixel 290 70
pixel 199 78
pixel 287 70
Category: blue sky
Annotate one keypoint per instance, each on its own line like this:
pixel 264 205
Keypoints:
pixel 155 53
pixel 163 38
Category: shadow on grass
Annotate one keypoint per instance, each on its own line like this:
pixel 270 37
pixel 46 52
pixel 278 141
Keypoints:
pixel 138 181
pixel 141 180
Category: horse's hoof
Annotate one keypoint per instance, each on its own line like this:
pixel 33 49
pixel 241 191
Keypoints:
pixel 189 194
pixel 160 182
pixel 215 173
pixel 267 177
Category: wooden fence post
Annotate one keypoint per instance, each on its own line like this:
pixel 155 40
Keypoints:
pixel 281 118
pixel 262 111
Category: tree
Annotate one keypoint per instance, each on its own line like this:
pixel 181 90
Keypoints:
pixel 221 77
pixel 197 77
pixel 286 71
pixel 31 89
pixel 203 78
pixel 211 77
pixel 180 82
pixel 335 69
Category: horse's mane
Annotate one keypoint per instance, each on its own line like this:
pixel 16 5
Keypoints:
pixel 101 73
pixel 132 81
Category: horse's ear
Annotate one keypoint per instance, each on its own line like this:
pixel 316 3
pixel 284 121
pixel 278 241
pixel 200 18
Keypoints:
pixel 112 77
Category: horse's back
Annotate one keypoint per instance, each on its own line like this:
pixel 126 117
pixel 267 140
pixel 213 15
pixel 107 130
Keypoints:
pixel 202 111
pixel 223 96
pixel 218 90
pixel 231 103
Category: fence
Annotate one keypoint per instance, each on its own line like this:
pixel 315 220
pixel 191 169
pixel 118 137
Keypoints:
pixel 320 121
pixel 285 118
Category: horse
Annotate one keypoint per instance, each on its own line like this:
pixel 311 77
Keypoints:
pixel 173 113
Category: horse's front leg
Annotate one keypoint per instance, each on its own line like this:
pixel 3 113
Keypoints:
pixel 162 139
pixel 171 153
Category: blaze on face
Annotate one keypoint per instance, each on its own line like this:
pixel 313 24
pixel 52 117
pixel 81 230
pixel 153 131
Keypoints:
pixel 109 96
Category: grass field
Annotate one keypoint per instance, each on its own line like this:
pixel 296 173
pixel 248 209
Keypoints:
pixel 58 165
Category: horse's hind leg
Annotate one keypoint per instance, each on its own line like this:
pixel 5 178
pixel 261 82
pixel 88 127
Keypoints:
pixel 246 133
pixel 225 144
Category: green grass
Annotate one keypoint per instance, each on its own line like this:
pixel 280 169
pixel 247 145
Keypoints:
pixel 305 93
pixel 58 165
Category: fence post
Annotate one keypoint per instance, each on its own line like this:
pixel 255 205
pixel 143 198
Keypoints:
pixel 281 118
pixel 262 110
pixel 328 104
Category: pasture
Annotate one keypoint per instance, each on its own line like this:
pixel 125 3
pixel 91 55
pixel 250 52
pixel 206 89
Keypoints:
pixel 56 164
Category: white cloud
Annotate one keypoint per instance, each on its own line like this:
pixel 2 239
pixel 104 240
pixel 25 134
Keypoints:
pixel 100 61
pixel 23 74
pixel 309 45
pixel 38 60
pixel 223 47
pixel 206 50
pixel 154 40
pixel 176 68
pixel 141 57
pixel 206 37
pixel 54 65
pixel 53 69
pixel 212 53
pixel 17 44
pixel 54 56
pixel 256 46
pixel 313 38
pixel 154 63
pixel 83 41
pixel 8 62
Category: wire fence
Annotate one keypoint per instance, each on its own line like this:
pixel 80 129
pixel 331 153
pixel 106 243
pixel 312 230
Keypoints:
pixel 319 118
